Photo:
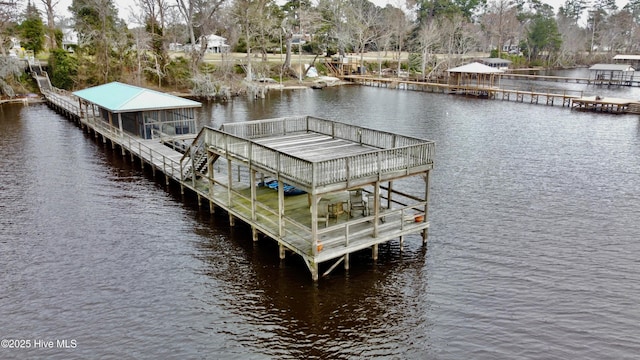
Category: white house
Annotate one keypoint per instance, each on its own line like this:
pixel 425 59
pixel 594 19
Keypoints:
pixel 69 39
pixel 216 44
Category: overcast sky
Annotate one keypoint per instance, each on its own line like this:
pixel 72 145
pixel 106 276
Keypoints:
pixel 123 5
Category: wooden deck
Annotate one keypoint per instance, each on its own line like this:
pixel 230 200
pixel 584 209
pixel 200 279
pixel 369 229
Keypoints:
pixel 607 104
pixel 329 160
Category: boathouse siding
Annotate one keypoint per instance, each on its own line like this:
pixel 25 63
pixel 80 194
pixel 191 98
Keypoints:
pixel 139 111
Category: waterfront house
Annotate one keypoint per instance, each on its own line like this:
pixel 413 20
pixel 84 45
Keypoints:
pixel 216 44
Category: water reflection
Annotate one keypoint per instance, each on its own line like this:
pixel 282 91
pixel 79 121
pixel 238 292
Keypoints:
pixel 531 248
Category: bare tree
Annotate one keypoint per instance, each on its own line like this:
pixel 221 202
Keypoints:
pixel 400 28
pixel 49 6
pixel 334 15
pixel 8 15
pixel 574 41
pixel 617 31
pixel 362 18
pixel 428 37
pixel 196 14
pixel 150 40
pixel 459 37
pixel 500 22
pixel 258 22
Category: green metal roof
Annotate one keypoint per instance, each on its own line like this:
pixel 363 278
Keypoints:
pixel 120 98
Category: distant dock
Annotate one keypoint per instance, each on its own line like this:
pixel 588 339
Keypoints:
pixel 532 96
pixel 606 104
pixel 565 98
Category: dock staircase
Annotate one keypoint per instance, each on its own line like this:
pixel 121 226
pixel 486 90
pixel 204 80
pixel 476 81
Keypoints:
pixel 41 76
pixel 194 159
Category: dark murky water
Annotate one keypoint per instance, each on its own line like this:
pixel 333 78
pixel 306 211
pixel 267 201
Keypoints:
pixel 532 251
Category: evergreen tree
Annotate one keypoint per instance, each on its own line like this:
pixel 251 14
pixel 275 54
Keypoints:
pixel 98 29
pixel 573 9
pixel 32 30
pixel 543 35
pixel 63 68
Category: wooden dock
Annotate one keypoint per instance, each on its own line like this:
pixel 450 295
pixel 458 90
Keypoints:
pixel 531 95
pixel 572 99
pixel 351 201
pixel 607 104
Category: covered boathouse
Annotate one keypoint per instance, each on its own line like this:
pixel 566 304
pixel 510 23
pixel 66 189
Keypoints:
pixel 474 79
pixel 611 74
pixel 322 189
pixel 138 111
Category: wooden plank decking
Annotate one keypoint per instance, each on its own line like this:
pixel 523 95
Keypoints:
pixel 607 104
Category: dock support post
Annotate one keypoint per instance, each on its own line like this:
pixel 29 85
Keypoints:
pixel 252 180
pixel 166 179
pixel 314 271
pixel 254 234
pixel 374 252
pixel 199 200
pixel 346 261
pixel 212 208
pixel 232 220
pixel 401 243
pixel 427 181
pixel 281 249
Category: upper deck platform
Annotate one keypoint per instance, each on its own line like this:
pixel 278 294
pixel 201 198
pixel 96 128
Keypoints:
pixel 319 155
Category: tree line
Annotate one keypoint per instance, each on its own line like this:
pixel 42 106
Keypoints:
pixel 436 33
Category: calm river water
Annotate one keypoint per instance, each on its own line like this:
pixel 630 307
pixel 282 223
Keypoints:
pixel 532 254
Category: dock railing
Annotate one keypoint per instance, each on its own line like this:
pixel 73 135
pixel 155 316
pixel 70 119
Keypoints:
pixel 133 144
pixel 389 152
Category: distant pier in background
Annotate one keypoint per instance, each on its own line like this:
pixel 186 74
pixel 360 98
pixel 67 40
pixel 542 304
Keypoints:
pixel 574 99
pixel 532 96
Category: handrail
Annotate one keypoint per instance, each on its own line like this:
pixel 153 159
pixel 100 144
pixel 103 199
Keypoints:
pixel 303 172
pixel 128 141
